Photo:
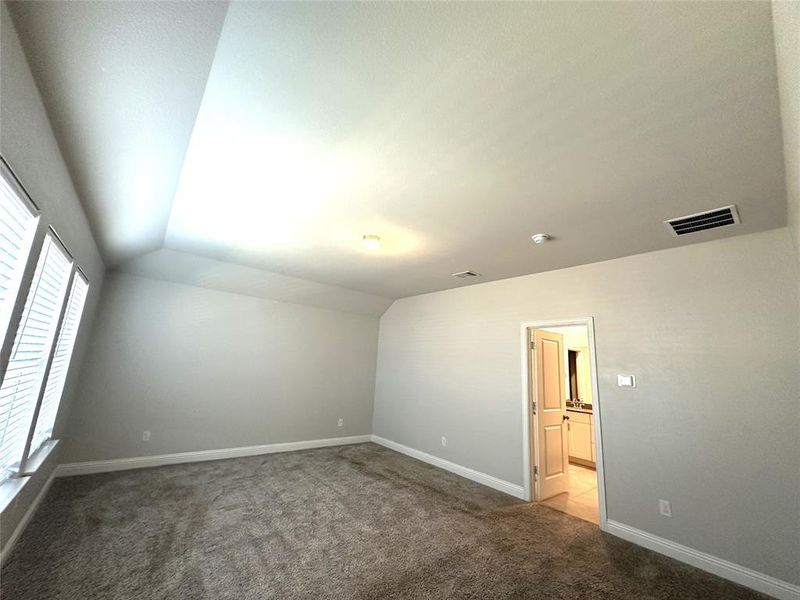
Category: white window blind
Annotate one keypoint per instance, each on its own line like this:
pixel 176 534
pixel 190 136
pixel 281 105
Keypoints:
pixel 17 229
pixel 57 376
pixel 34 340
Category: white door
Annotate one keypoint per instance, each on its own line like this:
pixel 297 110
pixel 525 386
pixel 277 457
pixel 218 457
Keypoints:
pixel 551 407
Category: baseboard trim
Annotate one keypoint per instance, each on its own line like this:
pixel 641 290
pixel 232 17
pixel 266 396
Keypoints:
pixel 26 518
pixel 760 582
pixel 488 480
pixel 140 462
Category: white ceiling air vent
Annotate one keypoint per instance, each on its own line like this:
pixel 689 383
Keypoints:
pixel 466 274
pixel 711 219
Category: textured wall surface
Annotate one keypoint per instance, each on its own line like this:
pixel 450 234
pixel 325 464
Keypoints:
pixel 203 369
pixel 710 331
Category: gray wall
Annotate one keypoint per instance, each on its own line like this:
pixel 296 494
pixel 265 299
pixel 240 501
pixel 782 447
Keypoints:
pixel 28 144
pixel 204 369
pixel 786 20
pixel 710 331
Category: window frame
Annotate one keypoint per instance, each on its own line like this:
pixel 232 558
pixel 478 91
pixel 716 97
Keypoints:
pixel 20 469
pixel 30 461
pixel 76 273
pixel 26 452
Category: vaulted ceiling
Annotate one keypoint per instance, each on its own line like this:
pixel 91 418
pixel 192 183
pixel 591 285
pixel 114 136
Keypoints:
pixel 273 136
pixel 122 83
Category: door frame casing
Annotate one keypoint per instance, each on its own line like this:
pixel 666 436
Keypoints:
pixel 530 421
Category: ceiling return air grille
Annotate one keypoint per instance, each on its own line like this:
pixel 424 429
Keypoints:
pixel 466 274
pixel 711 219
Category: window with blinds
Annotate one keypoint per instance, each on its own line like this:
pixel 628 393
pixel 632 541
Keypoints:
pixel 30 354
pixel 57 376
pixel 17 229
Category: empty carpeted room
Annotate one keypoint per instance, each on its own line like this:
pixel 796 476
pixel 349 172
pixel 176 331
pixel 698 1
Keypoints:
pixel 399 300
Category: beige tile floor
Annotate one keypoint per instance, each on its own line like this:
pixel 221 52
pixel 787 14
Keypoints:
pixel 581 499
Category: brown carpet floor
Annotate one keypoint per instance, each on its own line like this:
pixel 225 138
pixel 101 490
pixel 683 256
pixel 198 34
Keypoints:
pixel 358 522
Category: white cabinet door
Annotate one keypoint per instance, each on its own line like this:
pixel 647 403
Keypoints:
pixel 580 440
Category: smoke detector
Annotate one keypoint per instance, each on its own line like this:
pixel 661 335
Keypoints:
pixel 466 274
pixel 540 238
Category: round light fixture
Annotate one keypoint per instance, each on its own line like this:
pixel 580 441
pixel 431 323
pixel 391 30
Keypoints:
pixel 540 238
pixel 371 242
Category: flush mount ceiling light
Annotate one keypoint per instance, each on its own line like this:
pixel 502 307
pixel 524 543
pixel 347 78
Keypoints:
pixel 540 238
pixel 371 242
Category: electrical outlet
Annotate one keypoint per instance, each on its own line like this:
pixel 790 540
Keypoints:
pixel 146 436
pixel 444 441
pixel 341 422
pixel 665 508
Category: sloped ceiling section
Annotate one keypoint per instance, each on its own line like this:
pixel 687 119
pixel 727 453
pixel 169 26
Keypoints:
pixel 182 267
pixel 452 130
pixel 122 83
pixel 456 130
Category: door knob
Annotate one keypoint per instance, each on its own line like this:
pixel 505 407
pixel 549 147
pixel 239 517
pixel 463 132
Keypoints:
pixel 565 418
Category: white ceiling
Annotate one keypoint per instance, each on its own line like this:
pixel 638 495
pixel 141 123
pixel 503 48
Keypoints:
pixel 452 130
pixel 122 82
pixel 199 271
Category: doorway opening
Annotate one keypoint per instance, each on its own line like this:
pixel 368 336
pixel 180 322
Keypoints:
pixel 563 439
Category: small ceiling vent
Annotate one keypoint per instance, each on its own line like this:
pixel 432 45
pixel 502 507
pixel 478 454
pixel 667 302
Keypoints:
pixel 466 274
pixel 719 217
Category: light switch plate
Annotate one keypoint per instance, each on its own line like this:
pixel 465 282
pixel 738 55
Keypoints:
pixel 626 381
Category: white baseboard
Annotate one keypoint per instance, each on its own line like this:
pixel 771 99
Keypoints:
pixel 723 568
pixel 139 462
pixel 26 518
pixel 488 480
